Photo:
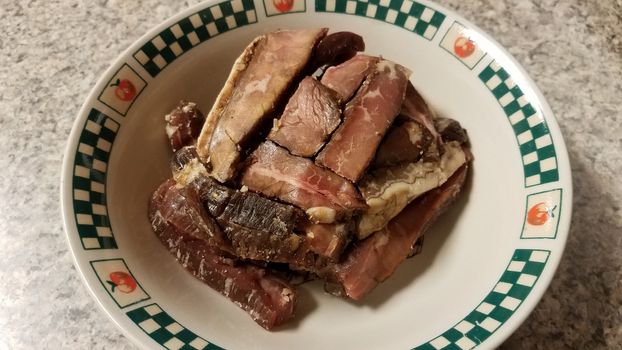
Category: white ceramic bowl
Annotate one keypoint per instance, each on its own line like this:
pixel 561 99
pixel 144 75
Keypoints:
pixel 484 265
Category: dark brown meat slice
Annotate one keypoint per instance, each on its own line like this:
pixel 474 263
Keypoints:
pixel 324 195
pixel 415 108
pixel 268 299
pixel 257 84
pixel 451 130
pixel 328 240
pixel 346 78
pixel 310 116
pixel 403 144
pixel 366 119
pixel 261 229
pixel 181 208
pixel 336 48
pixel 374 259
pixel 256 227
pixel 183 124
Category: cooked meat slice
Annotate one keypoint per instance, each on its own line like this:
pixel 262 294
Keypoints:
pixel 325 196
pixel 180 207
pixel 328 240
pixel 261 229
pixel 366 119
pixel 374 259
pixel 415 108
pixel 404 143
pixel 451 130
pixel 336 48
pixel 310 116
pixel 388 190
pixel 268 299
pixel 347 77
pixel 256 227
pixel 260 78
pixel 184 124
pixel 254 211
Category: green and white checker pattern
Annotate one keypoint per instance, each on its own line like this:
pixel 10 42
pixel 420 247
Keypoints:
pixel 410 15
pixel 89 181
pixel 162 328
pixel 532 133
pixel 499 305
pixel 172 42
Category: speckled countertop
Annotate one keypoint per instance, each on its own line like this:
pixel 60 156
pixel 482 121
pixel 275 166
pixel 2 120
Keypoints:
pixel 52 52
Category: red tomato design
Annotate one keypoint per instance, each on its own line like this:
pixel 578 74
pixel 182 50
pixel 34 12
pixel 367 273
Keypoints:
pixel 283 5
pixel 121 281
pixel 125 91
pixel 539 214
pixel 464 47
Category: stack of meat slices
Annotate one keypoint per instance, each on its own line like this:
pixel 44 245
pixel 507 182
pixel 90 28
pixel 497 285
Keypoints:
pixel 314 160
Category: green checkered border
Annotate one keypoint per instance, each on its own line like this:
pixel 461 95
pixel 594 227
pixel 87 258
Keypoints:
pixel 498 306
pixel 182 36
pixel 410 15
pixel 162 328
pixel 89 181
pixel 532 133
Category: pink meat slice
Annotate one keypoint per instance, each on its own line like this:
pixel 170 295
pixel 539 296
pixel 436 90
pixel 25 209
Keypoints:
pixel 377 257
pixel 268 299
pixel 346 78
pixel 366 119
pixel 310 116
pixel 275 173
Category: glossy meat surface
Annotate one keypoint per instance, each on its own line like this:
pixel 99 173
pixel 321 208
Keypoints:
pixel 310 116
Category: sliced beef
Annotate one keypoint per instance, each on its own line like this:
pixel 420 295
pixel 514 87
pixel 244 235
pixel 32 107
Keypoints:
pixel 416 108
pixel 347 77
pixel 181 208
pixel 374 259
pixel 183 124
pixel 325 196
pixel 336 48
pixel 310 116
pixel 404 143
pixel 258 82
pixel 268 299
pixel 389 190
pixel 261 229
pixel 367 117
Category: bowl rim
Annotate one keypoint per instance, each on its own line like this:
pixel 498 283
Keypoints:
pixel 496 50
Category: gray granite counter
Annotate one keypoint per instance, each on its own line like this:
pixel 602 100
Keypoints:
pixel 52 52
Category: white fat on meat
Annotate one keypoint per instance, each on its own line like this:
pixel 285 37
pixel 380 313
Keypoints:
pixel 389 190
pixel 323 215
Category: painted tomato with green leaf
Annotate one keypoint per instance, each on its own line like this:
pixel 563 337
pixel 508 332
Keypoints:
pixel 121 281
pixel 540 213
pixel 283 5
pixel 125 90
pixel 464 47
